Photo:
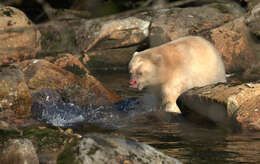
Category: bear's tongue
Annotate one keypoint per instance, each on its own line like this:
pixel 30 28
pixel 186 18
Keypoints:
pixel 133 83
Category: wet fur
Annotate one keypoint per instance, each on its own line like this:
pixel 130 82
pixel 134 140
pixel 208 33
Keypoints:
pixel 176 67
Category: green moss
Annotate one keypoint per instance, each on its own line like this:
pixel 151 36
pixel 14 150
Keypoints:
pixel 7 134
pixel 67 156
pixel 45 139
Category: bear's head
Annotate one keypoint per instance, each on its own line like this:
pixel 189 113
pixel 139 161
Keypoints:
pixel 144 69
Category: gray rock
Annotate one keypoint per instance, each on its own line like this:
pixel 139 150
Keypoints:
pixel 18 151
pixel 100 149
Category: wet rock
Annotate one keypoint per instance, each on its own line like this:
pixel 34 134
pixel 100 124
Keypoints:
pixel 235 104
pixel 41 74
pixel 18 36
pixel 235 45
pixel 253 19
pixel 19 151
pixel 14 93
pixel 100 149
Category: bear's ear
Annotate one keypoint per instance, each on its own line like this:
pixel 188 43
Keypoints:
pixel 135 53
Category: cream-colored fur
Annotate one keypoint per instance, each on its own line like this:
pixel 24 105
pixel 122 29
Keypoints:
pixel 176 67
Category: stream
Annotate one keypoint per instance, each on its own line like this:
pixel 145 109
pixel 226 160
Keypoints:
pixel 186 141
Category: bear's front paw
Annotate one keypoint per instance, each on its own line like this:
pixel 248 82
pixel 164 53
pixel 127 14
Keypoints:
pixel 172 108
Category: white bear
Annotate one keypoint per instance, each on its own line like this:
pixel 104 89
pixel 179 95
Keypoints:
pixel 175 67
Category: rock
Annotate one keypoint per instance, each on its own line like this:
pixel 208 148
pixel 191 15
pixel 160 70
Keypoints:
pixel 57 37
pixel 112 34
pixel 112 41
pixel 235 45
pixel 19 151
pixel 18 36
pixel 108 45
pixel 41 74
pixel 253 20
pixel 71 63
pixel 101 149
pixel 14 93
pixel 172 23
pixel 235 104
pixel 248 115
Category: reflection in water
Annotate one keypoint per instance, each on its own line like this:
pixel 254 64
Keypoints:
pixel 191 144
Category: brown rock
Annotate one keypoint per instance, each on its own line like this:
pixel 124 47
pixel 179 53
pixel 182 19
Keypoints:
pixel 222 103
pixel 14 93
pixel 248 114
pixel 18 151
pixel 233 42
pixel 69 62
pixel 18 36
pixel 41 74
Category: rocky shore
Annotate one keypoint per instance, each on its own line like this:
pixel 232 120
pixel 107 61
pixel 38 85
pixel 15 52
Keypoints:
pixel 47 79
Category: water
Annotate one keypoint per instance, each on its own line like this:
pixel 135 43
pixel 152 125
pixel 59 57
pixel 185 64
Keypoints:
pixel 190 143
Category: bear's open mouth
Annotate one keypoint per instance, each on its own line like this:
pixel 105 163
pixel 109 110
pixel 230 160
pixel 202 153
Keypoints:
pixel 133 83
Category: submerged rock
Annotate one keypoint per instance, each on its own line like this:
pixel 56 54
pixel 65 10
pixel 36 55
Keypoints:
pixel 225 104
pixel 18 36
pixel 99 149
pixel 19 151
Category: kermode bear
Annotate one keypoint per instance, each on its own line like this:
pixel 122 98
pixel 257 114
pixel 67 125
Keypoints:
pixel 177 66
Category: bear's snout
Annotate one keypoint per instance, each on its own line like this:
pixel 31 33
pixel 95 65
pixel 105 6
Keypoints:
pixel 133 83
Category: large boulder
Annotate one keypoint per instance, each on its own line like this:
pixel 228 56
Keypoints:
pixel 235 45
pixel 14 92
pixel 41 74
pixel 225 104
pixel 99 149
pixel 111 42
pixel 18 36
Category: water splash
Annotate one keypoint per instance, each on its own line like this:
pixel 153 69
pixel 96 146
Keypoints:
pixel 48 106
